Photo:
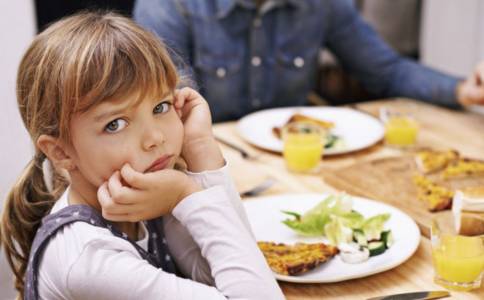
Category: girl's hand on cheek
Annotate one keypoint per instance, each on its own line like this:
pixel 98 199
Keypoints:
pixel 194 113
pixel 146 196
pixel 200 149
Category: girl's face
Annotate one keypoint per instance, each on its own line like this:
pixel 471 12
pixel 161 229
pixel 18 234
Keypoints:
pixel 147 134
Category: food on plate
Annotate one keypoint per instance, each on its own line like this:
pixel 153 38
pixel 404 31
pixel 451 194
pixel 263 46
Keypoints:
pixel 296 259
pixel 468 211
pixel 436 197
pixel 429 161
pixel 464 167
pixel 335 219
pixel 331 140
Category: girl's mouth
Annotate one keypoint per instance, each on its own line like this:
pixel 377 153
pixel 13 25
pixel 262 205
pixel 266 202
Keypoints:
pixel 159 164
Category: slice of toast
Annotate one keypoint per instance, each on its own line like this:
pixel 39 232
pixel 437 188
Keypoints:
pixel 296 259
pixel 277 131
pixel 430 161
pixel 464 167
pixel 436 197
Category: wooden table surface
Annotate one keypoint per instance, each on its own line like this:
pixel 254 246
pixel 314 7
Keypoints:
pixel 439 127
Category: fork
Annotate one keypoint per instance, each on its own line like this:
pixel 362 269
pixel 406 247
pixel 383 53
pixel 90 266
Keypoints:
pixel 242 152
pixel 261 187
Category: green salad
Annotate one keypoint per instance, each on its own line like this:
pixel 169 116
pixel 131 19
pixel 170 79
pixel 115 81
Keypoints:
pixel 357 237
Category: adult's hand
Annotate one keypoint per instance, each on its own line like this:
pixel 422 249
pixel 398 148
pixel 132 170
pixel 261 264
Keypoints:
pixel 471 91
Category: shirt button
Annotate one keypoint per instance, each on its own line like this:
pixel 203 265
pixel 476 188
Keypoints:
pixel 221 72
pixel 257 22
pixel 256 61
pixel 299 62
pixel 255 103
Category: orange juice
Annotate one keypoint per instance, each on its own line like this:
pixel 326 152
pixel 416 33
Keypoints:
pixel 458 261
pixel 401 131
pixel 303 147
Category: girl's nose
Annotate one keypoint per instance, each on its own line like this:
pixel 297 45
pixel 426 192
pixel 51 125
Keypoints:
pixel 153 136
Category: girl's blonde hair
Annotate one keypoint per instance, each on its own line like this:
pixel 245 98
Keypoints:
pixel 70 67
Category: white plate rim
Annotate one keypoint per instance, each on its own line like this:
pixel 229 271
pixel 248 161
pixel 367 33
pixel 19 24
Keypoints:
pixel 244 121
pixel 301 279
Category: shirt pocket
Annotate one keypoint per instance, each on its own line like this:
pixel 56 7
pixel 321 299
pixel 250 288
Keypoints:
pixel 219 75
pixel 218 67
pixel 296 69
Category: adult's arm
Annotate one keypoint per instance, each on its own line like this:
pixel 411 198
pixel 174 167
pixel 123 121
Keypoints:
pixel 380 69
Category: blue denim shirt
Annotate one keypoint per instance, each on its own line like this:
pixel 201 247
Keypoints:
pixel 245 59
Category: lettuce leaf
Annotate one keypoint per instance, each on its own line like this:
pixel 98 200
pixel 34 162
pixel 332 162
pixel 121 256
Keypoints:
pixel 312 222
pixel 334 218
pixel 373 226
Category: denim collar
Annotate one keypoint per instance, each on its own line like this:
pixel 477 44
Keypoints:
pixel 224 7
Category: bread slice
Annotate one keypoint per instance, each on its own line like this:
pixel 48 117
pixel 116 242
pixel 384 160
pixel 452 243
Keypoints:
pixel 468 211
pixel 436 197
pixel 326 125
pixel 296 259
pixel 429 161
pixel 464 167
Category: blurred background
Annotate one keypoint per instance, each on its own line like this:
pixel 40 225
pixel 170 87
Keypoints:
pixel 445 34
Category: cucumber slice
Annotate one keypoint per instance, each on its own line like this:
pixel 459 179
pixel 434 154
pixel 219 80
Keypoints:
pixel 360 238
pixel 376 248
pixel 387 238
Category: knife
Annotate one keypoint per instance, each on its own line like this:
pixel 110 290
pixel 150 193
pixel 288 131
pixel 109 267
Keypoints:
pixel 414 296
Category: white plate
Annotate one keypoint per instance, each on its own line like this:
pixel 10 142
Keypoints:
pixel 265 217
pixel 358 130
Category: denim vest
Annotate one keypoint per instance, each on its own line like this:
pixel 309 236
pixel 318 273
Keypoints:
pixel 157 254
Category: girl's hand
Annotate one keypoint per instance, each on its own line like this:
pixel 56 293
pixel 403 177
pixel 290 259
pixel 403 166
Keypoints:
pixel 194 113
pixel 132 196
pixel 200 149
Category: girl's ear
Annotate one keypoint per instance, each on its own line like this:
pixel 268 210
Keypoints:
pixel 56 152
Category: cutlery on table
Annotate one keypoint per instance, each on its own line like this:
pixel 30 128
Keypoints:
pixel 414 296
pixel 258 188
pixel 242 152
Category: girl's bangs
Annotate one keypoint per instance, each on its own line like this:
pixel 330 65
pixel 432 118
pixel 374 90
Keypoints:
pixel 124 62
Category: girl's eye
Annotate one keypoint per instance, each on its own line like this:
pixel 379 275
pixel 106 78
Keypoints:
pixel 115 125
pixel 162 107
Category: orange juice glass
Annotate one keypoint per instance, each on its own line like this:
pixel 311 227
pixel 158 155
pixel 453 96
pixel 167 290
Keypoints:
pixel 458 260
pixel 303 146
pixel 401 129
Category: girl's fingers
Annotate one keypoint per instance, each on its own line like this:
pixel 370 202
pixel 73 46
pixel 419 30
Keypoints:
pixel 186 95
pixel 109 205
pixel 103 195
pixel 178 101
pixel 119 193
pixel 135 179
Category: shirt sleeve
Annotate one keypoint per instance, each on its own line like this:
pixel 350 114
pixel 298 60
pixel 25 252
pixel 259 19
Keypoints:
pixel 185 251
pixel 222 177
pixel 382 71
pixel 237 266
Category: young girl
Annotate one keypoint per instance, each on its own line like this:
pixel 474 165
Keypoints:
pixel 97 95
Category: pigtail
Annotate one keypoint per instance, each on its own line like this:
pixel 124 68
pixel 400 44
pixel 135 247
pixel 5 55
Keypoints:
pixel 26 204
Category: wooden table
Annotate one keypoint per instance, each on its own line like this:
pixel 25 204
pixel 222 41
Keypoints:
pixel 439 128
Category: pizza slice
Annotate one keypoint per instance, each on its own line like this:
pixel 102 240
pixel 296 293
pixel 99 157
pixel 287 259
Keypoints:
pixel 464 167
pixel 429 161
pixel 436 197
pixel 296 259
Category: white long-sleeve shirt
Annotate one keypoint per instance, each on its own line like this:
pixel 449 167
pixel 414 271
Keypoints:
pixel 208 236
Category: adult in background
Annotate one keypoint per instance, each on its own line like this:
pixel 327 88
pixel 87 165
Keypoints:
pixel 252 54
